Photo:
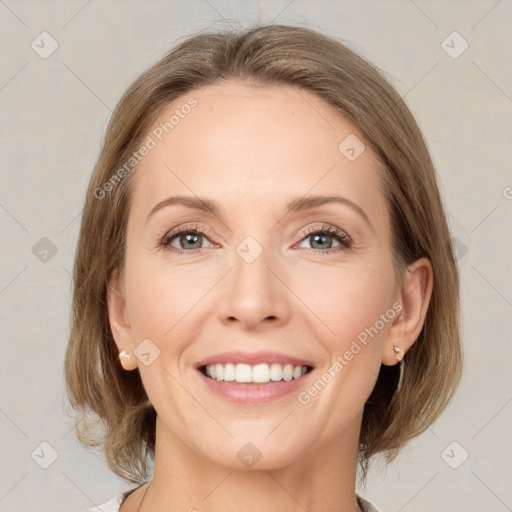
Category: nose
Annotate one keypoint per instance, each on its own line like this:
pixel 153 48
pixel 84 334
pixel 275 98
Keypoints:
pixel 254 294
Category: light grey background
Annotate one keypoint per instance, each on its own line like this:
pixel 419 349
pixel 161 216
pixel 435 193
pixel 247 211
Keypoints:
pixel 54 113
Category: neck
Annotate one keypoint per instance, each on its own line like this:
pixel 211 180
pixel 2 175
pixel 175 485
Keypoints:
pixel 319 480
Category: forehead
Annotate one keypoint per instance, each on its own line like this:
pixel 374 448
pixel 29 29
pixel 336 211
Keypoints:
pixel 267 144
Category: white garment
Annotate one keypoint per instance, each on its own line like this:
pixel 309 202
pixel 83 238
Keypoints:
pixel 112 505
pixel 115 503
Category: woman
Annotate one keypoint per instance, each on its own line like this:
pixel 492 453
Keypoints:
pixel 265 291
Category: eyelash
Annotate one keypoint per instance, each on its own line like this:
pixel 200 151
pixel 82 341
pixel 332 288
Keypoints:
pixel 340 236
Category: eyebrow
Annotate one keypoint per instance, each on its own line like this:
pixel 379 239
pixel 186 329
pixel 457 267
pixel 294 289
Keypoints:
pixel 297 205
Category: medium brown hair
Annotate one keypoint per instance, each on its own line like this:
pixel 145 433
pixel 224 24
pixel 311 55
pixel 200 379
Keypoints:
pixel 106 396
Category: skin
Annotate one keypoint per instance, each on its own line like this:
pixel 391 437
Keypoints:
pixel 253 150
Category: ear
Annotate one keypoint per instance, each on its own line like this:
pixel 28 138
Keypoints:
pixel 119 323
pixel 414 298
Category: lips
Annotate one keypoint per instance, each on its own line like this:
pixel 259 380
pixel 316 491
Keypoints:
pixel 252 358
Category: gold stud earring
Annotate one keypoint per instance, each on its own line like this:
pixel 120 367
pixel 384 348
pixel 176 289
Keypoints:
pixel 399 357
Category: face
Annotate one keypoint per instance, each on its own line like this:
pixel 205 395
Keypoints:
pixel 264 272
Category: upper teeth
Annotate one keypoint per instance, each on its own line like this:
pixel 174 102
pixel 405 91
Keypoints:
pixel 257 373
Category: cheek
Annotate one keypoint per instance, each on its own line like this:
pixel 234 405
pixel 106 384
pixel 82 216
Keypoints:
pixel 347 300
pixel 164 301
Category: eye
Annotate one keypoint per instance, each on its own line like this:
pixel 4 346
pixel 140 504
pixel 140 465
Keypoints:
pixel 189 237
pixel 321 240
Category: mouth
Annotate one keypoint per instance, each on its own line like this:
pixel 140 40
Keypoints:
pixel 253 367
pixel 253 378
pixel 263 373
